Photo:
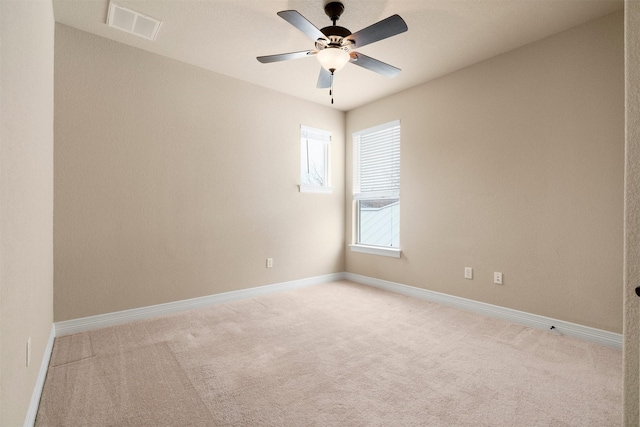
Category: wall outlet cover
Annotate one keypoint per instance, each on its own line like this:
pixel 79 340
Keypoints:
pixel 497 278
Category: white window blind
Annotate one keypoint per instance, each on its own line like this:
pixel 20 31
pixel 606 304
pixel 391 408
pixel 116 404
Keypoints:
pixel 377 189
pixel 377 165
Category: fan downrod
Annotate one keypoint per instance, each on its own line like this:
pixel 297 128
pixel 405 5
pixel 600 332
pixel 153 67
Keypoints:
pixel 333 10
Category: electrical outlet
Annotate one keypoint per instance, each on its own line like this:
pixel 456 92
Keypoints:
pixel 269 262
pixel 468 273
pixel 497 278
pixel 28 358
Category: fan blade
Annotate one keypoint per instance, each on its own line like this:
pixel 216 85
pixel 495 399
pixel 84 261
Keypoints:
pixel 324 79
pixel 372 64
pixel 381 30
pixel 285 56
pixel 300 22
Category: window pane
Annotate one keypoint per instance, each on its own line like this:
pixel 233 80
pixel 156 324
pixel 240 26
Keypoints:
pixel 314 157
pixel 313 163
pixel 379 222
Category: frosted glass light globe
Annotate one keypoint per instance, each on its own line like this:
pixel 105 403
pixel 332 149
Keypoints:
pixel 333 58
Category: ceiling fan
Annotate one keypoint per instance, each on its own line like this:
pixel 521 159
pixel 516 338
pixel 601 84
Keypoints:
pixel 335 45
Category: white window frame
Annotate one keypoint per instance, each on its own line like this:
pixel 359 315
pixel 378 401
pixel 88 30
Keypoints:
pixel 310 135
pixel 358 195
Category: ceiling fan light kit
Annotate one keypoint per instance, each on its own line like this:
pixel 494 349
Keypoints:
pixel 333 59
pixel 335 46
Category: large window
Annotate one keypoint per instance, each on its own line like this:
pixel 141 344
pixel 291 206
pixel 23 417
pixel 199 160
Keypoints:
pixel 314 160
pixel 376 190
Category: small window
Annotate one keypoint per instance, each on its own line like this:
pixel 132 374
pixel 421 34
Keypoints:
pixel 376 190
pixel 314 160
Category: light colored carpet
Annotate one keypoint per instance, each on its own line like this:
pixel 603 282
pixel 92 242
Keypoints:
pixel 339 354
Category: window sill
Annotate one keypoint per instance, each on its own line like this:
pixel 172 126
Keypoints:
pixel 308 189
pixel 376 250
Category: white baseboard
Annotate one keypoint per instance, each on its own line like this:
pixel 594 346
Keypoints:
pixel 30 419
pixel 84 324
pixel 585 333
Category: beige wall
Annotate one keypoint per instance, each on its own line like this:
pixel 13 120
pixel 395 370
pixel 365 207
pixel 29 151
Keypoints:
pixel 632 216
pixel 515 165
pixel 26 199
pixel 173 182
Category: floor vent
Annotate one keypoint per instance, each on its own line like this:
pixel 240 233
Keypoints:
pixel 133 22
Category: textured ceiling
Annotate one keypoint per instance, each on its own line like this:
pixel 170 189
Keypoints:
pixel 225 36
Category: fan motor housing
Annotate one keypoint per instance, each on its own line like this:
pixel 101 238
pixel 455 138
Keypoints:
pixel 333 41
pixel 335 30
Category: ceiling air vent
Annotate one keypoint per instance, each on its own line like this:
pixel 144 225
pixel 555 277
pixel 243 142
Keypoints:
pixel 132 22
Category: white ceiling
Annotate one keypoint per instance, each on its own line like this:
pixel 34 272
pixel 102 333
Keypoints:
pixel 225 36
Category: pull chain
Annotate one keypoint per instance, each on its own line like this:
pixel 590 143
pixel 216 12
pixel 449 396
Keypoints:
pixel 331 88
